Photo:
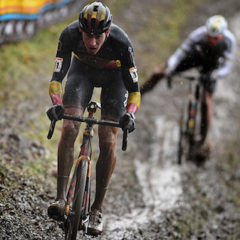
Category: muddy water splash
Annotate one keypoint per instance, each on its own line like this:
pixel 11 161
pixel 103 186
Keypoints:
pixel 158 177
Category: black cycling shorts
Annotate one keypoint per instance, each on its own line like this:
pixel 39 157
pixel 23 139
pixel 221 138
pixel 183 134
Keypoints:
pixel 210 85
pixel 80 84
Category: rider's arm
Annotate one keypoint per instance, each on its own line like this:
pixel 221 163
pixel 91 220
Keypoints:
pixel 174 60
pixel 130 77
pixel 226 62
pixel 62 63
pixel 186 47
pixel 223 70
pixel 131 83
pixel 153 79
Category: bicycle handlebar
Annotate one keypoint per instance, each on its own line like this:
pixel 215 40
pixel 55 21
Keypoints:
pixel 189 77
pixel 91 121
pixel 125 139
pixel 51 129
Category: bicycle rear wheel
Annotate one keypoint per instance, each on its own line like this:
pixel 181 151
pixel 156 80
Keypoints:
pixel 180 141
pixel 76 213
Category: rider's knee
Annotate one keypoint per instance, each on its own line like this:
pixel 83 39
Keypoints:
pixel 70 130
pixel 107 137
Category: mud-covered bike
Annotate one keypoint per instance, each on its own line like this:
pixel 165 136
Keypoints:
pixel 192 118
pixel 77 206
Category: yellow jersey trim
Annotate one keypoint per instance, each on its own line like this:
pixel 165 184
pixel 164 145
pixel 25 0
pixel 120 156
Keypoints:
pixel 134 97
pixel 55 87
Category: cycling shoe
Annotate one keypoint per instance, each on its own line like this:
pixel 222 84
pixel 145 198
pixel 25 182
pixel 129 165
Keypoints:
pixel 95 225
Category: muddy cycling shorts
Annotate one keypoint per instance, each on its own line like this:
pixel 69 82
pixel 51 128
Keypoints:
pixel 81 81
pixel 210 85
pixel 195 60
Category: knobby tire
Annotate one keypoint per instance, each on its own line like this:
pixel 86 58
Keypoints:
pixel 185 137
pixel 75 217
pixel 180 140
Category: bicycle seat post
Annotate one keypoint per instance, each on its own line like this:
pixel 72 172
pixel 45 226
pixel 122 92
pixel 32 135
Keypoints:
pixel 92 108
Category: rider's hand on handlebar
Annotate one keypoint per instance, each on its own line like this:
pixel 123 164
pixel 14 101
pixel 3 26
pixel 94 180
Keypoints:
pixel 56 112
pixel 127 122
pixel 168 75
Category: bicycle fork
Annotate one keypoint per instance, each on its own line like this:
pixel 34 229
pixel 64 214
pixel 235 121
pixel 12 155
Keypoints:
pixel 192 107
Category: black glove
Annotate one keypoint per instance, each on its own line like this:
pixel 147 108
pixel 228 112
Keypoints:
pixel 127 122
pixel 55 112
pixel 168 75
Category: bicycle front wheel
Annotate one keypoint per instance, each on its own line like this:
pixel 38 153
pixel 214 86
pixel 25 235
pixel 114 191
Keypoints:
pixel 184 139
pixel 76 213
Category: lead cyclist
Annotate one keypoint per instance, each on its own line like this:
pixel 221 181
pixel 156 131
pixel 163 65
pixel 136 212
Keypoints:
pixel 102 57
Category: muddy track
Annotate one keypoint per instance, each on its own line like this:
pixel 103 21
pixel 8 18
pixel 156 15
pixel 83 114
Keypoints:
pixel 150 197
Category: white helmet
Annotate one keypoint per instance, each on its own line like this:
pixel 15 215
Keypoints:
pixel 216 25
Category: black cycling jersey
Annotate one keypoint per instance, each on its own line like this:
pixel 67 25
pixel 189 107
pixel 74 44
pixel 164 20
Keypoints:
pixel 210 54
pixel 116 52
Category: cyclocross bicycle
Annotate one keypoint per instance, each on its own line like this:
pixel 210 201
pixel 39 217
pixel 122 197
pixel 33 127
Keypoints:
pixel 191 118
pixel 77 206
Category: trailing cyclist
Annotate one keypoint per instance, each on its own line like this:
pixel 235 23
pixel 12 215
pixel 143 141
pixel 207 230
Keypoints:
pixel 209 49
pixel 102 57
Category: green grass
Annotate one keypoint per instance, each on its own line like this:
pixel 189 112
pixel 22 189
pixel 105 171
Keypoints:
pixel 25 59
pixel 32 59
pixel 162 33
pixel 117 7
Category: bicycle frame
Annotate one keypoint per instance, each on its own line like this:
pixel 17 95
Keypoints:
pixel 191 117
pixel 77 204
pixel 85 154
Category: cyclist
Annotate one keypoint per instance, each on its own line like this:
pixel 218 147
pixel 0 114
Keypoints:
pixel 210 49
pixel 102 57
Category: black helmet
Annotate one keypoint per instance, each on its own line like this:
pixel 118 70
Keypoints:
pixel 95 18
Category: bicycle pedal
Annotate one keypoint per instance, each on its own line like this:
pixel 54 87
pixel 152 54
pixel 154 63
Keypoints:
pixel 83 225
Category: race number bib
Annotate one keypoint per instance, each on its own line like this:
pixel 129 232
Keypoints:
pixel 133 73
pixel 58 64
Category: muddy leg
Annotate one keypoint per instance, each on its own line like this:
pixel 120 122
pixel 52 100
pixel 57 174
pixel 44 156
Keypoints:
pixel 70 131
pixel 106 162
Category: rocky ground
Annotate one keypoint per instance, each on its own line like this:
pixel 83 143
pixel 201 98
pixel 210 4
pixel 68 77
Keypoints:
pixel 150 197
